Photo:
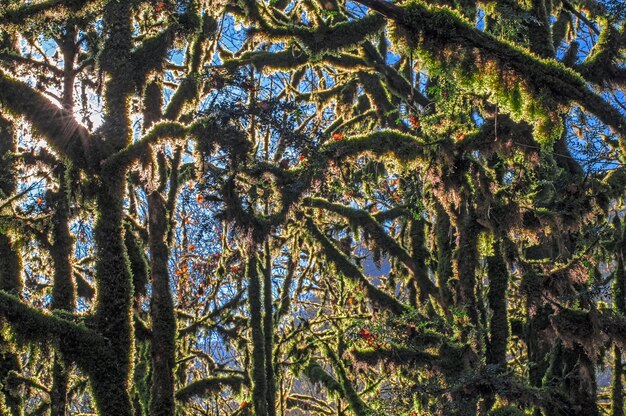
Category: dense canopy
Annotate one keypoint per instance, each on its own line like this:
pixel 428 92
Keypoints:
pixel 314 207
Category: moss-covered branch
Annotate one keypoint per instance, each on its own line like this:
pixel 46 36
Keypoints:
pixel 167 130
pixel 18 15
pixel 209 386
pixel 352 272
pixel 36 325
pixel 377 232
pixel 58 126
pixel 402 146
pixel 486 65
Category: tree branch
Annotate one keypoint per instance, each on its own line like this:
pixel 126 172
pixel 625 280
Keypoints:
pixel 56 125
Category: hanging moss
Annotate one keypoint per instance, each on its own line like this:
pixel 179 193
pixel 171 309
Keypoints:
pixel 209 386
pixel 449 45
pixel 316 373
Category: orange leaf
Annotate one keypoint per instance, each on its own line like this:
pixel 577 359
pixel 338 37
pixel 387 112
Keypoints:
pixel 338 137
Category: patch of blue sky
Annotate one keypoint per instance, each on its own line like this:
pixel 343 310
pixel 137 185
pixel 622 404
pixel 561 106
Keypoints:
pixel 480 19
pixel 587 141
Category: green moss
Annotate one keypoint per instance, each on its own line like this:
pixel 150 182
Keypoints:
pixel 446 43
pixel 111 371
pixel 9 389
pixel 289 59
pixel 402 146
pixel 258 372
pixel 61 251
pixel 142 379
pixel 394 356
pixel 158 132
pixel 506 411
pixel 325 39
pixel 10 266
pixel 316 373
pixel 444 254
pixel 209 386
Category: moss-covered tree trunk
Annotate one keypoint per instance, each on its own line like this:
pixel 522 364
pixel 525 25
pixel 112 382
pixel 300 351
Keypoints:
pixel 63 287
pixel 499 330
pixel 258 373
pixel 10 272
pixel 465 261
pixel 268 332
pixel 443 237
pixel 161 311
pixel 619 304
pixel 111 371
